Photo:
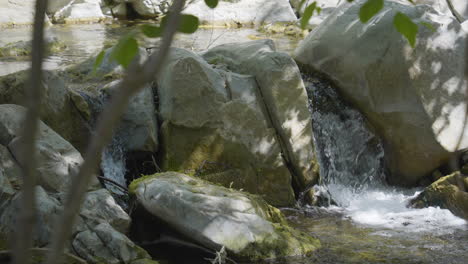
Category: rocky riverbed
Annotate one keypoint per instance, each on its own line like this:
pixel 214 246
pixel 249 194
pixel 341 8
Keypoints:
pixel 254 145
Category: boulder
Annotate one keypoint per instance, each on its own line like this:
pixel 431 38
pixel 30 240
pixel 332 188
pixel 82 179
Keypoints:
pixel 58 161
pixel 414 97
pixel 282 91
pixel 446 193
pixel 99 207
pixel 102 242
pixel 243 12
pixel 47 208
pixel 80 11
pixel 58 109
pixel 215 216
pixel 56 5
pixel 215 121
pixel 138 128
pixel 100 218
pixel 16 12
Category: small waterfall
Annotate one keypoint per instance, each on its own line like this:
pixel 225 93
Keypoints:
pixel 352 169
pixel 113 166
pixel 348 152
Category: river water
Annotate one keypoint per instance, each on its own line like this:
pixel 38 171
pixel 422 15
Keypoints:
pixel 365 221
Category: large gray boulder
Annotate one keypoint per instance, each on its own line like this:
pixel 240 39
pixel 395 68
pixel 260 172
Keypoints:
pixel 415 98
pixel 282 91
pixel 243 12
pixel 54 6
pixel 59 110
pixel 47 208
pixel 103 242
pixel 215 216
pixel 58 160
pixel 99 233
pixel 244 125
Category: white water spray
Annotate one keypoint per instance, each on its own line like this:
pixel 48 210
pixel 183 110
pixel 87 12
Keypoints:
pixel 352 171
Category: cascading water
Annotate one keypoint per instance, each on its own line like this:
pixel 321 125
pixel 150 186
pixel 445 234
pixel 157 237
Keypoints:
pixel 113 166
pixel 351 161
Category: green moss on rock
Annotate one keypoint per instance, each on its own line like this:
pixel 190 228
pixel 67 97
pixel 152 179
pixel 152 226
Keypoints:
pixel 445 193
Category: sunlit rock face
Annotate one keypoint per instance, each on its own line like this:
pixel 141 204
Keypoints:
pixel 80 11
pixel 416 98
pixel 243 124
pixel 56 5
pixel 214 216
pixel 243 11
pixel 16 12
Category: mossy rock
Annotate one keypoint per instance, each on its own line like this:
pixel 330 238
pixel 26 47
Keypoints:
pixel 446 193
pixel 215 216
pixel 23 48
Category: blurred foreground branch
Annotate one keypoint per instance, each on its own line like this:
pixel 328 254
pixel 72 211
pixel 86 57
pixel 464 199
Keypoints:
pixel 23 238
pixel 136 77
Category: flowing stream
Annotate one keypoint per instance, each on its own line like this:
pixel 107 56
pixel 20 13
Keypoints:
pixel 362 220
pixel 368 221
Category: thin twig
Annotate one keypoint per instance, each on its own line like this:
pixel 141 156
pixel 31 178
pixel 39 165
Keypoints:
pixel 23 241
pixel 123 188
pixel 135 78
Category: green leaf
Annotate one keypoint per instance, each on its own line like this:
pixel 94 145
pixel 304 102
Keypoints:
pixel 370 9
pixel 151 31
pixel 188 24
pixel 125 51
pixel 406 27
pixel 98 61
pixel 211 3
pixel 308 12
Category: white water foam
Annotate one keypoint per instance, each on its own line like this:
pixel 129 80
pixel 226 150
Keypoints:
pixel 387 208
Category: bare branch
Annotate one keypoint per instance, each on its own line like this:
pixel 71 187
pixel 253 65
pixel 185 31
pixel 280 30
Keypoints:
pixel 454 11
pixel 136 77
pixel 23 239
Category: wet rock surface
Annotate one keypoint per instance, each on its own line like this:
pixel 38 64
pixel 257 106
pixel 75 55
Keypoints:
pixel 215 216
pixel 417 107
